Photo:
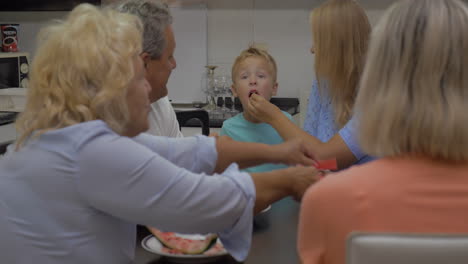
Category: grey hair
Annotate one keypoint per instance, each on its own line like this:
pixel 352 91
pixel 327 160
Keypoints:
pixel 155 17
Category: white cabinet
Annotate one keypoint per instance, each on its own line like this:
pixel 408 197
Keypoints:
pixel 7 133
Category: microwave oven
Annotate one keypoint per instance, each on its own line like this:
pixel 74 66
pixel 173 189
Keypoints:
pixel 14 70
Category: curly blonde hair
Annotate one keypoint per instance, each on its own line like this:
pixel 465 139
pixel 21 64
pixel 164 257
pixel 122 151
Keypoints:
pixel 413 93
pixel 81 72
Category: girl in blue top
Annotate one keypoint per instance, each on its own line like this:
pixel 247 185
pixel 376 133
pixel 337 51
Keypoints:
pixel 340 31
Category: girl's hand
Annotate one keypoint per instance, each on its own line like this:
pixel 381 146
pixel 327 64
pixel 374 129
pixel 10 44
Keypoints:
pixel 295 152
pixel 261 109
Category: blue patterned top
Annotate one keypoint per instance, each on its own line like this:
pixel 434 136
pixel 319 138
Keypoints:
pixel 320 123
pixel 320 120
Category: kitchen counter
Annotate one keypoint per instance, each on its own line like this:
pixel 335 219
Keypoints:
pixel 7 129
pixel 290 105
pixel 7 135
pixel 273 240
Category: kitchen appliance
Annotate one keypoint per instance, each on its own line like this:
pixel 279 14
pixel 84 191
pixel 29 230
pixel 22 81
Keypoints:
pixel 14 70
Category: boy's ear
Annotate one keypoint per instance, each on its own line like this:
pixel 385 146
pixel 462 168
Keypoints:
pixel 233 90
pixel 275 89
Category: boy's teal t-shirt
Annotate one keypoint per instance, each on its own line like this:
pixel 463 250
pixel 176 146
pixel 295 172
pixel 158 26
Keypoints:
pixel 239 129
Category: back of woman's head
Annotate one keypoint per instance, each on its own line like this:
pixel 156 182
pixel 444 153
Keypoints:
pixel 340 31
pixel 414 89
pixel 81 71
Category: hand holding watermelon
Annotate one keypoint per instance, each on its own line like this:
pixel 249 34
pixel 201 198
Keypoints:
pixel 327 165
pixel 262 109
pixel 301 178
pixel 294 152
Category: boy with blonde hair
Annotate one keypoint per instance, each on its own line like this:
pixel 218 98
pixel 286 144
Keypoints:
pixel 253 71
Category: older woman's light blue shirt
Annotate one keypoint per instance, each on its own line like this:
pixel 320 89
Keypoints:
pixel 75 195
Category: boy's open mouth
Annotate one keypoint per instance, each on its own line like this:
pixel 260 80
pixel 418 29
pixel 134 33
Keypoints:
pixel 253 92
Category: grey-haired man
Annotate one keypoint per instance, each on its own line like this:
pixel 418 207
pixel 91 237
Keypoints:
pixel 158 55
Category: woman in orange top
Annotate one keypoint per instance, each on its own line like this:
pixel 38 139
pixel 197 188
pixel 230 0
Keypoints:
pixel 411 109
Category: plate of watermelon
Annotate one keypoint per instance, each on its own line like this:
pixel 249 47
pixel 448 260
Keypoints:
pixel 184 248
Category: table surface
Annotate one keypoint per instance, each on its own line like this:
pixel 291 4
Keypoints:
pixel 273 240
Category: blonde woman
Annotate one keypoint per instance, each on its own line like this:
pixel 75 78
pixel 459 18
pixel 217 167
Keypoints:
pixel 81 176
pixel 340 33
pixel 412 109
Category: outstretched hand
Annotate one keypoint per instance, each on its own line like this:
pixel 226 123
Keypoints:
pixel 261 109
pixel 301 178
pixel 295 152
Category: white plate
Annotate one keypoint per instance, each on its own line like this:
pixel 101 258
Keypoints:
pixel 151 244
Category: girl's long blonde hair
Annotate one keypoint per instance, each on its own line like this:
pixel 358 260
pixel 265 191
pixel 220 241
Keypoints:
pixel 414 89
pixel 340 31
pixel 81 72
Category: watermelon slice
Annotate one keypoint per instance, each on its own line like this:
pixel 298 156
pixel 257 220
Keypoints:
pixel 253 91
pixel 327 164
pixel 176 244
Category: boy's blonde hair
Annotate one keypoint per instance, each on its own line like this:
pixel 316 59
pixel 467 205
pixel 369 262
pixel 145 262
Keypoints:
pixel 81 72
pixel 414 92
pixel 341 32
pixel 254 52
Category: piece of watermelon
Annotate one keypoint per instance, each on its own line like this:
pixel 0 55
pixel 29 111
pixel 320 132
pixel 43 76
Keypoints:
pixel 327 164
pixel 253 91
pixel 178 244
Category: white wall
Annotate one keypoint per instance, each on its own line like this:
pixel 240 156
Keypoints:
pixel 281 25
pixel 232 26
pixel 30 23
pixel 285 31
pixel 190 28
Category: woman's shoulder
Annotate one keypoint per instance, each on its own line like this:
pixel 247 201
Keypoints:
pixel 80 134
pixel 70 140
pixel 357 177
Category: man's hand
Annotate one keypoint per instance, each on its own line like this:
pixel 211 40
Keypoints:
pixel 301 178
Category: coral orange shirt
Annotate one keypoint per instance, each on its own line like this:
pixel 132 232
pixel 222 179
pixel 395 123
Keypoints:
pixel 387 195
